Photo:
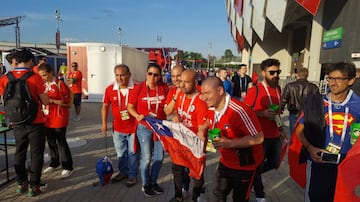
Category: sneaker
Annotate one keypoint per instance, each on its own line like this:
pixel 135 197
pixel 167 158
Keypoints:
pixel 22 187
pixel 185 192
pixel 49 169
pixel 260 200
pixel 118 178
pixel 148 191
pixel 66 173
pixel 37 189
pixel 157 189
pixel 131 182
pixel 176 199
pixel 76 118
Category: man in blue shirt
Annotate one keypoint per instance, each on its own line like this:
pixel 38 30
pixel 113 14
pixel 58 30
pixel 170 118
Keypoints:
pixel 222 73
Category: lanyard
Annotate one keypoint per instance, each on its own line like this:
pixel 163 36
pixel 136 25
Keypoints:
pixel 244 83
pixel 119 98
pixel 218 115
pixel 331 129
pixel 157 99
pixel 268 94
pixel 189 107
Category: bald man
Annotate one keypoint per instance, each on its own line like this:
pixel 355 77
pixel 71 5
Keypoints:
pixel 191 111
pixel 174 90
pixel 239 144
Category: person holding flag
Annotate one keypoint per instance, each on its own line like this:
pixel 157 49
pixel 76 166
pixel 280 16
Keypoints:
pixel 148 99
pixel 240 141
pixel 191 111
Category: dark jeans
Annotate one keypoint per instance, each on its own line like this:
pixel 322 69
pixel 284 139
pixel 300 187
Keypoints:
pixel 292 120
pixel 272 152
pixel 239 181
pixel 59 148
pixel 322 182
pixel 33 135
pixel 179 172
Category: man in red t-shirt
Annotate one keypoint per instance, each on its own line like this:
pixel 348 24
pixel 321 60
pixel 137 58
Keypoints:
pixel 29 133
pixel 117 96
pixel 174 90
pixel 191 111
pixel 74 80
pixel 239 142
pixel 265 99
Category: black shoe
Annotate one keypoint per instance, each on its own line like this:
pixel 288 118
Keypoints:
pixel 157 189
pixel 118 178
pixel 131 182
pixel 148 191
pixel 176 199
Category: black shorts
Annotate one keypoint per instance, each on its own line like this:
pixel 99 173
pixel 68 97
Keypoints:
pixel 77 99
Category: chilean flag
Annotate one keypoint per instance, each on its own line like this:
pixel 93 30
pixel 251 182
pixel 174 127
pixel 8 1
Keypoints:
pixel 183 145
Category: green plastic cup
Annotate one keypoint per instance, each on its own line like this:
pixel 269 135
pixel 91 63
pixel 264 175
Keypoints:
pixel 214 133
pixel 355 132
pixel 274 107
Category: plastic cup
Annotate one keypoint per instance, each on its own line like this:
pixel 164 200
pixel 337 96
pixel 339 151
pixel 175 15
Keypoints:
pixel 2 116
pixel 355 132
pixel 214 133
pixel 274 107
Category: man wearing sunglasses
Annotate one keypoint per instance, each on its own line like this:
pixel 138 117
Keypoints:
pixel 265 99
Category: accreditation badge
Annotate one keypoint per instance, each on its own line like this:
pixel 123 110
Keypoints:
pixel 333 148
pixel 124 115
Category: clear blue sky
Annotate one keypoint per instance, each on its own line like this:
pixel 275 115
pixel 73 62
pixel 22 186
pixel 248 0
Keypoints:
pixel 186 24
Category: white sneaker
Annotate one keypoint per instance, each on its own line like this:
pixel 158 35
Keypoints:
pixel 77 118
pixel 66 173
pixel 260 200
pixel 201 198
pixel 185 193
pixel 48 170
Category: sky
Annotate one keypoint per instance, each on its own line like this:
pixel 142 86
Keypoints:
pixel 191 25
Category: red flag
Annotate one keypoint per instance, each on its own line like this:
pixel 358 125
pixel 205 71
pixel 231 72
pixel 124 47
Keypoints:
pixel 297 170
pixel 310 5
pixel 348 178
pixel 284 146
pixel 183 145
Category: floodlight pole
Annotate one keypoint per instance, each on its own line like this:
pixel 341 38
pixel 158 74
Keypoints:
pixel 17 33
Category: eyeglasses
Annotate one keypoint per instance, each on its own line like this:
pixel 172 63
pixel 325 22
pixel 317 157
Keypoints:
pixel 152 74
pixel 273 72
pixel 336 79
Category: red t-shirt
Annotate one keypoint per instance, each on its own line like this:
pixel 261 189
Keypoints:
pixel 36 68
pixel 58 116
pixel 262 102
pixel 194 115
pixel 237 121
pixel 75 86
pixel 170 95
pixel 36 86
pixel 148 100
pixel 111 97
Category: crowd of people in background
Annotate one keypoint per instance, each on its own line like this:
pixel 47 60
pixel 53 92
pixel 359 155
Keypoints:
pixel 201 100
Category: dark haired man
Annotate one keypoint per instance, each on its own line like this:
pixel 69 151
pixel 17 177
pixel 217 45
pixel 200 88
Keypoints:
pixel 340 110
pixel 42 60
pixel 29 133
pixel 241 82
pixel 265 99
pixel 294 93
pixel 74 79
pixel 116 96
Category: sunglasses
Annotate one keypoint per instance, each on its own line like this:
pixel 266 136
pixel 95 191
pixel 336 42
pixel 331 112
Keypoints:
pixel 152 74
pixel 273 72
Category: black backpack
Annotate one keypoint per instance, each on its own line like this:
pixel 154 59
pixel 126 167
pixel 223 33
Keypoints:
pixel 20 106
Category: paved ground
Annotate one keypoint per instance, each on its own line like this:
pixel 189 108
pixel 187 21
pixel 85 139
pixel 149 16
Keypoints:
pixel 79 187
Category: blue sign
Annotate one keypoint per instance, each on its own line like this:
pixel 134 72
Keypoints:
pixel 332 44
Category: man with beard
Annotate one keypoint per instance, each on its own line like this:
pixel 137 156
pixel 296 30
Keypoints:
pixel 191 111
pixel 265 99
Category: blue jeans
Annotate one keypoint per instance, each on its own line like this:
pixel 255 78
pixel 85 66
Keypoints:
pixel 149 148
pixel 292 121
pixel 128 160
